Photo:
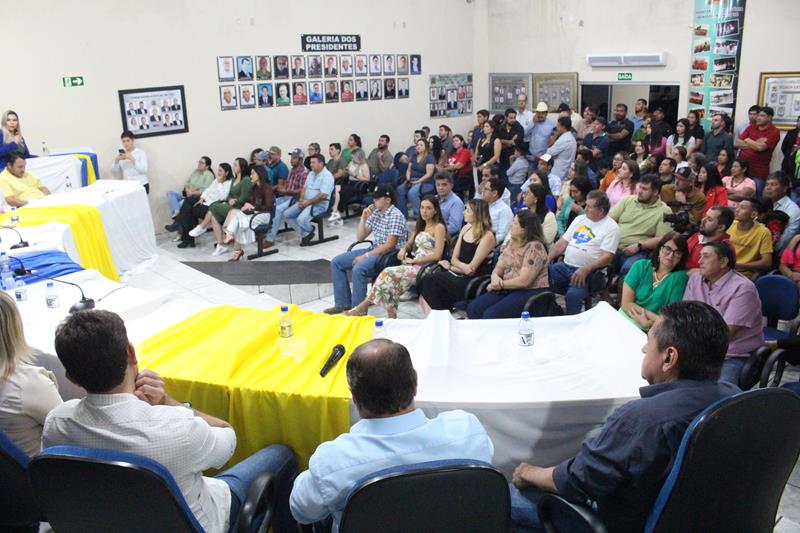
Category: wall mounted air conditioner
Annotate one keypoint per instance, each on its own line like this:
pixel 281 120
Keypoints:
pixel 637 59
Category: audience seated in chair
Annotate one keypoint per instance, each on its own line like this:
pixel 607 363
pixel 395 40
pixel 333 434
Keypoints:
pixel 713 227
pixel 418 180
pixel 27 392
pixel 521 272
pixel 391 432
pixel 288 191
pixel 19 186
pixel 357 172
pixel 535 200
pixel 256 210
pixel 574 205
pixel 198 181
pixel 655 282
pixel 777 190
pixel 452 206
pixel 492 191
pixel 790 260
pixel 388 226
pixel 735 297
pixel 380 158
pixel 622 469
pixel 426 246
pixel 488 173
pixel 193 210
pixel 751 240
pixel 471 257
pixel 459 166
pixel 588 245
pixel 127 410
pixel 313 201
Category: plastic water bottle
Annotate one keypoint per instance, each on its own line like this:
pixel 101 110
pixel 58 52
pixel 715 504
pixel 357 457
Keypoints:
pixel 285 323
pixel 68 185
pixel 525 330
pixel 45 149
pixel 51 296
pixel 380 330
pixel 6 276
pixel 14 217
pixel 20 291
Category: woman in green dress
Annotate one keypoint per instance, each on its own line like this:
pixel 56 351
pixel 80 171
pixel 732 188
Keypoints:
pixel 653 283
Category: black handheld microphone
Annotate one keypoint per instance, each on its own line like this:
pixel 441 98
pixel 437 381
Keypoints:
pixel 83 305
pixel 22 242
pixel 336 354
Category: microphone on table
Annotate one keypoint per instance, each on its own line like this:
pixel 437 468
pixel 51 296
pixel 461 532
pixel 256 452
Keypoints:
pixel 22 243
pixel 336 354
pixel 84 304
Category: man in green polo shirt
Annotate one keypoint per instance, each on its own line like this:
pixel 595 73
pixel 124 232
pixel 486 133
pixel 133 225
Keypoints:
pixel 641 223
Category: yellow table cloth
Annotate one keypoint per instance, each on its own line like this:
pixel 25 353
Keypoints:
pixel 87 231
pixel 227 361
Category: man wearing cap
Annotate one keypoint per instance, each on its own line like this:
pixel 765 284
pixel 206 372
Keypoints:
pixel 538 132
pixel 286 191
pixel 684 190
pixel 389 232
pixel 597 142
pixel 278 168
pixel 313 200
pixel 545 163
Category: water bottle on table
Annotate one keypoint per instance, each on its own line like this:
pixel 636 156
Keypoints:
pixel 51 296
pixel 14 217
pixel 285 323
pixel 525 330
pixel 68 185
pixel 20 291
pixel 45 150
pixel 6 275
pixel 379 332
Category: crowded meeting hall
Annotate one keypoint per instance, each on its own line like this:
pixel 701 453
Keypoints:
pixel 528 280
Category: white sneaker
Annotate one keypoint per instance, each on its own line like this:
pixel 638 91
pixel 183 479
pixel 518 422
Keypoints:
pixel 197 231
pixel 336 215
pixel 178 238
pixel 220 249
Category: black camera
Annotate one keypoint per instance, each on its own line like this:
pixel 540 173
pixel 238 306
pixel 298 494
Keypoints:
pixel 680 221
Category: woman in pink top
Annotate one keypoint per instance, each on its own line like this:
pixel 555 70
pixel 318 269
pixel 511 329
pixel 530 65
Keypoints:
pixel 790 260
pixel 738 184
pixel 655 140
pixel 625 183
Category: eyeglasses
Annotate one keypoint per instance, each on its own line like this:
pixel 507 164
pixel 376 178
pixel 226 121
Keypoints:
pixel 669 250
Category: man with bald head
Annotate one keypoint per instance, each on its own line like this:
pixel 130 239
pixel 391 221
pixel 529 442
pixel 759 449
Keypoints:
pixel 391 432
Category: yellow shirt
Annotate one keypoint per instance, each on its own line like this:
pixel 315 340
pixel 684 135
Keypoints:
pixel 750 245
pixel 24 188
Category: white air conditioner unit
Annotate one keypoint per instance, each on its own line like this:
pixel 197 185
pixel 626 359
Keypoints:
pixel 638 59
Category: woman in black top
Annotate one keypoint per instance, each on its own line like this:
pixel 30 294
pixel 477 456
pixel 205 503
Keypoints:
pixel 489 147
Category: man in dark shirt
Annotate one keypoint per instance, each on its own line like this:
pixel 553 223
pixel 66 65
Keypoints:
pixel 510 133
pixel 619 131
pixel 622 469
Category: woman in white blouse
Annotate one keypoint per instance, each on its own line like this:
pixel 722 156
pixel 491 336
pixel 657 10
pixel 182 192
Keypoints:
pixel 27 392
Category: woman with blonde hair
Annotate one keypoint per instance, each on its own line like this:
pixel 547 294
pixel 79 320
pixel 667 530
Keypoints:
pixel 12 142
pixel 27 392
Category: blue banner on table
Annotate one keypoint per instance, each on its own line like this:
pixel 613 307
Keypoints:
pixel 716 49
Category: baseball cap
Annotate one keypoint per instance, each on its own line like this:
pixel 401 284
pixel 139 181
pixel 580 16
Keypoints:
pixel 384 191
pixel 274 150
pixel 297 152
pixel 262 156
pixel 684 172
pixel 545 158
pixel 541 107
pixel 563 106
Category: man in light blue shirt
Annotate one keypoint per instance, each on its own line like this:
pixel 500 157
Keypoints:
pixel 451 205
pixel 563 149
pixel 539 131
pixel 499 211
pixel 391 432
pixel 313 201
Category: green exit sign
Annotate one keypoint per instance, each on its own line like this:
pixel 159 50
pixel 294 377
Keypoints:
pixel 72 81
pixel 624 76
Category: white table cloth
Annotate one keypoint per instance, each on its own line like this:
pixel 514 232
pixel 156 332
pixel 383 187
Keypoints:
pixel 53 171
pixel 537 404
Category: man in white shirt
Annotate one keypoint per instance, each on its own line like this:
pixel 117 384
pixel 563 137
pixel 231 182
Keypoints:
pixel 589 243
pixel 391 432
pixel 127 410
pixel 525 119
pixel 499 211
pixel 564 147
pixel 131 162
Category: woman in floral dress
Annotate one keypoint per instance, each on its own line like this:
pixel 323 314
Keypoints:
pixel 427 246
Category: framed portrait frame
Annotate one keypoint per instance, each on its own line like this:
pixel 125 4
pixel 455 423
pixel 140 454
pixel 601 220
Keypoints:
pixel 280 100
pixel 316 97
pixel 267 100
pixel 415 64
pixel 504 88
pixel 172 98
pixel 299 93
pixel 331 91
pixel 245 69
pixel 314 66
pixel 553 88
pixel 781 92
pixel 361 66
pixel 298 67
pixel 375 65
pixel 346 66
pixel 247 90
pixel 263 68
pixel 281 67
pixel 389 88
pixel 403 87
pixel 226 69
pixel 230 103
pixel 402 64
pixel 362 89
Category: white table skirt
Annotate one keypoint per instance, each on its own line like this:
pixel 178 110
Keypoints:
pixel 53 171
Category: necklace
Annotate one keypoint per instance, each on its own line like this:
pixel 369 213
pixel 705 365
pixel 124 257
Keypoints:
pixel 656 280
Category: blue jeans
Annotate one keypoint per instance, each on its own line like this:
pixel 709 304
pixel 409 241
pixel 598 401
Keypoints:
pixel 276 458
pixel 361 274
pixel 524 513
pixel 413 194
pixel 281 205
pixel 560 275
pixel 505 304
pixel 760 182
pixel 731 369
pixel 623 263
pixel 175 200
pixel 300 218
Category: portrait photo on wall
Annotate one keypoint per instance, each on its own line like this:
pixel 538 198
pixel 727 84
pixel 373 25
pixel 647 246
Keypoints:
pixel 244 67
pixel 362 90
pixel 225 69
pixel 299 93
pixel 416 64
pixel 281 67
pixel 282 96
pixel 298 67
pixel 375 90
pixel 247 96
pixel 263 68
pixel 389 88
pixel 315 66
pixel 375 65
pixel 346 65
pixel 347 91
pixel 402 64
pixel 388 64
pixel 265 95
pixel 228 99
pixel 331 66
pixel 315 92
pixel 361 65
pixel 402 87
pixel 156 111
pixel 331 92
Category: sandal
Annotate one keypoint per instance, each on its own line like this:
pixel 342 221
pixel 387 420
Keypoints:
pixel 236 255
pixel 228 238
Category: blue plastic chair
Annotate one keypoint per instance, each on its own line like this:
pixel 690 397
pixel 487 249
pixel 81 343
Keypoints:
pixel 780 300
pixel 19 507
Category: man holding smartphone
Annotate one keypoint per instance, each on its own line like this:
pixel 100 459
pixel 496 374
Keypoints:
pixel 131 162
